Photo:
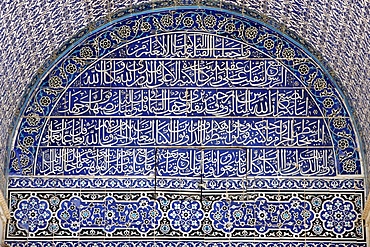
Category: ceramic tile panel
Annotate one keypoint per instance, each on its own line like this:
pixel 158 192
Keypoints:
pixel 31 40
pixel 194 126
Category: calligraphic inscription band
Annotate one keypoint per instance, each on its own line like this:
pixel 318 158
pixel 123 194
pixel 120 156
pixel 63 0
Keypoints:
pixel 186 127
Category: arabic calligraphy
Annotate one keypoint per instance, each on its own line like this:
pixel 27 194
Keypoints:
pixel 201 163
pixel 185 132
pixel 186 102
pixel 189 45
pixel 198 73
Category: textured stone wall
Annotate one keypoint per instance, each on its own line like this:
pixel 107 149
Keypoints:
pixel 32 30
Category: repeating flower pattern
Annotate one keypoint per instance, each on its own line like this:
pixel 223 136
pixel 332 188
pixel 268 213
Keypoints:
pixel 55 82
pixel 71 68
pixel 86 52
pixel 174 214
pixel 319 84
pixel 105 43
pixel 349 166
pixel 186 215
pixel 76 214
pixel 338 215
pixel 32 214
pixel 269 44
pixel 124 31
pixel 288 53
pixel 210 21
pixel 339 123
pixel 262 215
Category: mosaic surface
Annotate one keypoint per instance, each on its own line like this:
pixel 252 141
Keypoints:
pixel 32 30
pixel 185 125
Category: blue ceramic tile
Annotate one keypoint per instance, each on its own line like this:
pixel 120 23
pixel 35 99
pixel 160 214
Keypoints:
pixel 186 127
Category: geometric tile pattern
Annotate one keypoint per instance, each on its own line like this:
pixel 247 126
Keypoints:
pixel 214 113
pixel 250 216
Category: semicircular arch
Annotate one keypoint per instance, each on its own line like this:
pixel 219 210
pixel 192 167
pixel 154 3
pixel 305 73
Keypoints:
pixel 201 123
